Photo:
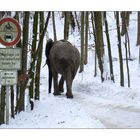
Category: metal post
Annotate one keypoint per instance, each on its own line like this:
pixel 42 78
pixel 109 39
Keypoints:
pixel 7 104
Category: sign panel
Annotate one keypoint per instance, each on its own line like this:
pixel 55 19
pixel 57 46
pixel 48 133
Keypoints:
pixel 10 59
pixel 10 31
pixel 8 77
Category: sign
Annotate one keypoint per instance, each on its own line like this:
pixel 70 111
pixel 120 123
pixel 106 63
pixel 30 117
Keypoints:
pixel 10 32
pixel 8 77
pixel 10 59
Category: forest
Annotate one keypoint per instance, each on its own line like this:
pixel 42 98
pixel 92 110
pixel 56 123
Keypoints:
pixel 87 24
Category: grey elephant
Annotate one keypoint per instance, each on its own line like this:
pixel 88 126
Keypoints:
pixel 63 58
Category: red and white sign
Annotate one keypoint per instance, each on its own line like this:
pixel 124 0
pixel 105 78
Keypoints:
pixel 10 31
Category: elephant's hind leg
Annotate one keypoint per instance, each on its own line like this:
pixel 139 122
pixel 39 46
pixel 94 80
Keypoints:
pixel 56 87
pixel 69 85
pixel 61 83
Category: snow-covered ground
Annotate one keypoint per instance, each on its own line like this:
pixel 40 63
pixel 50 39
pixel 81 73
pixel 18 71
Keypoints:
pixel 95 104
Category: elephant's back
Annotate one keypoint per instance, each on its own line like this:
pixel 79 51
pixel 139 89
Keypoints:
pixel 64 50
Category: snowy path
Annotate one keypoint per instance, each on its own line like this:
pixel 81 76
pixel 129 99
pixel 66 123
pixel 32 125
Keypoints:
pixel 111 115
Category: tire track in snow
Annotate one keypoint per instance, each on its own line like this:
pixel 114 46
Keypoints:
pixel 111 115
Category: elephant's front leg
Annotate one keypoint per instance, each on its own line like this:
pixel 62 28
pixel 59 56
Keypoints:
pixel 56 87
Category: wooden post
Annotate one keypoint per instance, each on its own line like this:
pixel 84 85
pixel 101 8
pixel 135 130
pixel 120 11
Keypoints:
pixel 7 104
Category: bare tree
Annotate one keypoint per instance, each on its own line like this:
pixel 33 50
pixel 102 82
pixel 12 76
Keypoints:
pixel 33 49
pixel 138 34
pixel 95 56
pixel 82 42
pixel 109 48
pixel 99 41
pixel 2 105
pixel 66 25
pixel 54 28
pixel 20 103
pixel 39 60
pixel 77 21
pixel 120 49
pixel 12 102
pixel 86 37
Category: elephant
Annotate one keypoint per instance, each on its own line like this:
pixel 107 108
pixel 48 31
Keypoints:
pixel 62 58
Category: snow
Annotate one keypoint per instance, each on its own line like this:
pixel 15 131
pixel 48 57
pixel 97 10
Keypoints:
pixel 95 104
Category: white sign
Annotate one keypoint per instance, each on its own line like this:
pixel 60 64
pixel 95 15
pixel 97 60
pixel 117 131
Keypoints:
pixel 8 77
pixel 10 59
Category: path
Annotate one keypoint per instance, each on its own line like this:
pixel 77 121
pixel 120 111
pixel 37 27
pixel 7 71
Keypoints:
pixel 112 116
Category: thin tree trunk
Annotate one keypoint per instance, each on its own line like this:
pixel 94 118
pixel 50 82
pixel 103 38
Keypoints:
pixel 39 60
pixel 77 21
pixel 127 18
pixel 138 34
pixel 54 29
pixel 126 51
pixel 109 48
pixel 19 72
pixel 12 103
pixel 2 105
pixel 120 50
pixel 82 43
pixel 86 38
pixel 72 22
pixel 95 56
pixel 99 41
pixel 127 66
pixel 123 17
pixel 66 26
pixel 125 23
pixel 20 104
pixel 32 76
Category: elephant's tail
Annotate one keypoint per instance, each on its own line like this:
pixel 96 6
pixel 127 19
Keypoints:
pixel 47 52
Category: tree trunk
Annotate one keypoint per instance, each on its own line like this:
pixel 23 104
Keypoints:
pixel 120 50
pixel 72 22
pixel 109 48
pixel 2 105
pixel 19 72
pixel 86 38
pixel 123 17
pixel 82 42
pixel 12 103
pixel 20 104
pixel 126 51
pixel 34 40
pixel 66 26
pixel 125 23
pixel 138 34
pixel 127 66
pixel 95 56
pixel 99 41
pixel 54 29
pixel 77 21
pixel 39 60
pixel 127 18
